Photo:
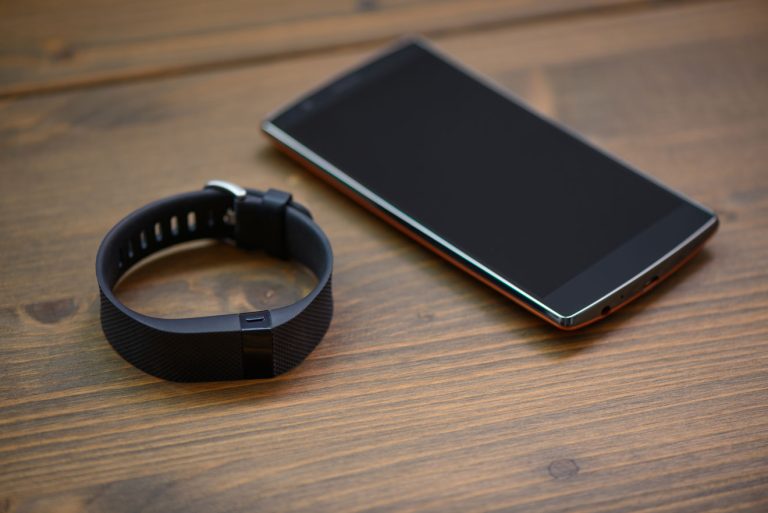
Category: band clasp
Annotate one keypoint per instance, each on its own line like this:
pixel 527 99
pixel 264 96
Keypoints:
pixel 258 217
pixel 234 189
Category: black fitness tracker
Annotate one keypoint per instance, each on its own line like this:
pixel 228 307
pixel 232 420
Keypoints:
pixel 221 347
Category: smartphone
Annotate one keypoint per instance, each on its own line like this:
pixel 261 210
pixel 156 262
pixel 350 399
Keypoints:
pixel 518 201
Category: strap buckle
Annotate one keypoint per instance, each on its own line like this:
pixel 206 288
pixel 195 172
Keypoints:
pixel 258 217
pixel 235 190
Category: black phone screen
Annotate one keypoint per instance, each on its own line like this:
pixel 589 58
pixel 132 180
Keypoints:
pixel 526 199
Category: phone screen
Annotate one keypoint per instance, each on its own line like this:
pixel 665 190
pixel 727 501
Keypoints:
pixel 523 197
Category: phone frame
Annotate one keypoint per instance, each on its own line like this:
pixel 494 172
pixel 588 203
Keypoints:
pixel 613 300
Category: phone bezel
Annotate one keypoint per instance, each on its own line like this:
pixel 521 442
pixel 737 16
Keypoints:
pixel 641 281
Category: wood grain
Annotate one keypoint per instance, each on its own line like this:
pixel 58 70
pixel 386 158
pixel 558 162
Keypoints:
pixel 430 392
pixel 49 46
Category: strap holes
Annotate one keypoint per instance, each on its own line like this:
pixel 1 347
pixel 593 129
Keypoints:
pixel 130 249
pixel 143 239
pixel 191 221
pixel 175 226
pixel 158 232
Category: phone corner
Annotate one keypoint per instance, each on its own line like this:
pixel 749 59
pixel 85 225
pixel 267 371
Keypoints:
pixel 567 323
pixel 560 321
pixel 711 225
pixel 268 130
pixel 708 228
pixel 265 124
pixel 715 223
pixel 412 38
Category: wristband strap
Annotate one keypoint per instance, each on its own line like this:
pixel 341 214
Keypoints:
pixel 260 344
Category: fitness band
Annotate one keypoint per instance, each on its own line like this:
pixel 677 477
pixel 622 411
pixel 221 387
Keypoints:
pixel 248 345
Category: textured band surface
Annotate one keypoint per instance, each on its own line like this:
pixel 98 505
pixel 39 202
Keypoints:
pixel 222 347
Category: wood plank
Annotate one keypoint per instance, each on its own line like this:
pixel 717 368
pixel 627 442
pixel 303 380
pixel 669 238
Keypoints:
pixel 50 45
pixel 430 392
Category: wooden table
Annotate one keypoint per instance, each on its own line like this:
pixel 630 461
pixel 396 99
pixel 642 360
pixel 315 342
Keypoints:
pixel 430 392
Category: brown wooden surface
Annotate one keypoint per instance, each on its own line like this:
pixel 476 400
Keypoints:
pixel 430 391
pixel 48 47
